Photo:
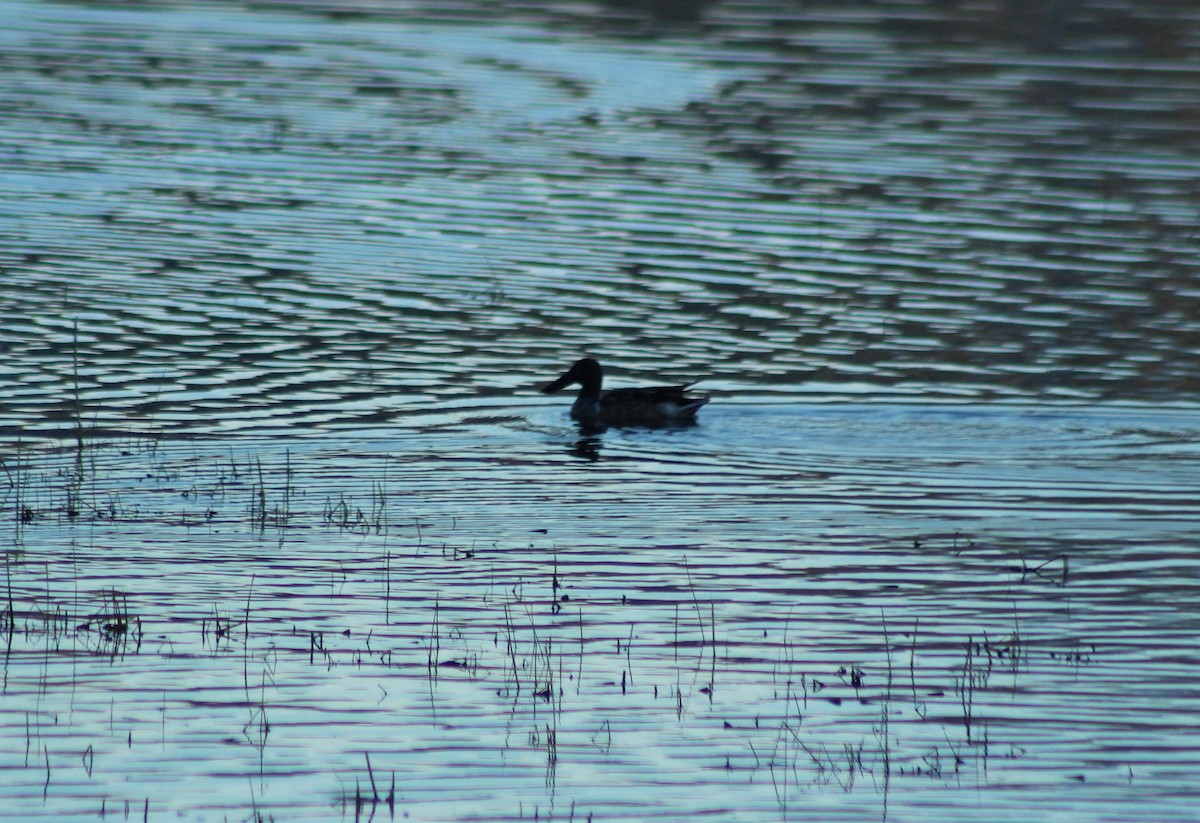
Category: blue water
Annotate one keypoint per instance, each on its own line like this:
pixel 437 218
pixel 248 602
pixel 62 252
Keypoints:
pixel 292 534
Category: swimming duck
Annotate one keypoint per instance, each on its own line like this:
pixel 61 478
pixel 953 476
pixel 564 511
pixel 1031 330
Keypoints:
pixel 650 406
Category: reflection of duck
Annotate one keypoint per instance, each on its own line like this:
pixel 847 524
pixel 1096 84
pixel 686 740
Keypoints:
pixel 650 406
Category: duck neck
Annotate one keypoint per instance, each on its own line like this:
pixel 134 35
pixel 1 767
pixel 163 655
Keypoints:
pixel 587 404
pixel 589 390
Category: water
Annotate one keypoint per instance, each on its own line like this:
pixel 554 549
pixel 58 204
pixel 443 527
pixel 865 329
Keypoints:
pixel 292 534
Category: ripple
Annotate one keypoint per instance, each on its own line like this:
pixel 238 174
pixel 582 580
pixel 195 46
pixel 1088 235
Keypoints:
pixel 281 283
pixel 920 245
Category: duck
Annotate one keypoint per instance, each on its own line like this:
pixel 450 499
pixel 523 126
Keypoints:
pixel 647 406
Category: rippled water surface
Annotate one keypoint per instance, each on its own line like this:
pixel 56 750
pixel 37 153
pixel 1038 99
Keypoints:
pixel 291 534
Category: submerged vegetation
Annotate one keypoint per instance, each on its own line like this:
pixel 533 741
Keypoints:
pixel 567 665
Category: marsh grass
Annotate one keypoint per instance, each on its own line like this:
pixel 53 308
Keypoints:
pixel 77 397
pixel 217 629
pixel 111 628
pixel 139 479
pixel 521 650
pixel 271 499
pixel 1046 569
pixel 16 477
pixel 850 725
pixel 833 758
pixel 364 804
pixel 116 626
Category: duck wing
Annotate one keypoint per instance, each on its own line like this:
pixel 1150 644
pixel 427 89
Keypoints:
pixel 647 394
pixel 650 405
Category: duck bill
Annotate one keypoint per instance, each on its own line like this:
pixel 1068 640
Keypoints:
pixel 558 385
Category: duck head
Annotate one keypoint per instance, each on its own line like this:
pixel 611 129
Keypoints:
pixel 586 373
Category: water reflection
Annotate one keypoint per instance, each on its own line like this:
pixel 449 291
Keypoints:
pixel 588 447
pixel 276 288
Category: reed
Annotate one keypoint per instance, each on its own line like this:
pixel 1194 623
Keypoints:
pixel 371 775
pixel 379 503
pixel 258 498
pixel 364 804
pixel 9 622
pixel 1044 569
pixel 511 646
pixel 919 706
pixel 78 398
pixel 220 627
pixel 23 514
pixel 974 678
pixel 117 628
pixel 284 515
pixel 387 587
pixel 883 730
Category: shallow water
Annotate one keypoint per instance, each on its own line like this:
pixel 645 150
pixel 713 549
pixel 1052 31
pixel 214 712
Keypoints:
pixel 699 603
pixel 287 515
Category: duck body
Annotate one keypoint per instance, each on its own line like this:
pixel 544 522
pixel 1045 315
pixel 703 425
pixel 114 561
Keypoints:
pixel 649 406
